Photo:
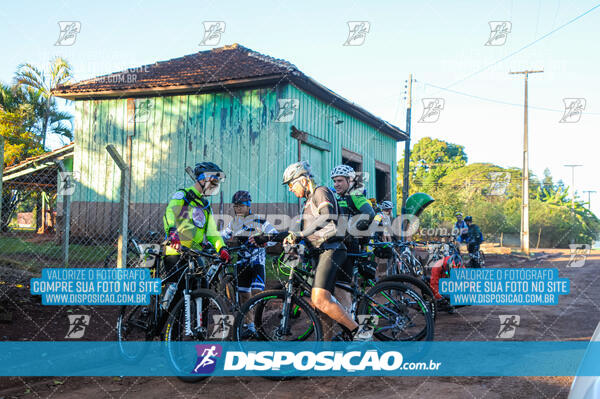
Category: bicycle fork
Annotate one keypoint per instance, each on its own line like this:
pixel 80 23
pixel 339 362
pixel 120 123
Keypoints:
pixel 187 302
pixel 284 328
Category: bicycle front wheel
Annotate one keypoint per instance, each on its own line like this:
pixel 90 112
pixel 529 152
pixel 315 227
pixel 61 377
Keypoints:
pixel 133 330
pixel 266 309
pixel 402 314
pixel 209 320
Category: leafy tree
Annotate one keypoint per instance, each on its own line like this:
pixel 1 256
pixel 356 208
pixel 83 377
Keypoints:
pixel 439 169
pixel 430 160
pixel 19 142
pixel 38 91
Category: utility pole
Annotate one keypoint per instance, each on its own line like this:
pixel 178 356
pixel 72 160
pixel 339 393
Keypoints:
pixel 407 146
pixel 525 201
pixel 589 192
pixel 572 183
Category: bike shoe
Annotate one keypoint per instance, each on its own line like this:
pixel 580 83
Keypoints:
pixel 248 332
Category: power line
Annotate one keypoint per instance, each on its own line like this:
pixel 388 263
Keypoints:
pixel 524 47
pixel 499 101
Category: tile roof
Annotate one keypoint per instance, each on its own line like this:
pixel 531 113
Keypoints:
pixel 219 65
pixel 216 69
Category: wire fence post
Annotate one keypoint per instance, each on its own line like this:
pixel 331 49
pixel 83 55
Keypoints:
pixel 124 205
pixel 1 176
pixel 66 203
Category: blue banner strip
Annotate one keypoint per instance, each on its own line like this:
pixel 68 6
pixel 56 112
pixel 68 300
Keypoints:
pixel 300 358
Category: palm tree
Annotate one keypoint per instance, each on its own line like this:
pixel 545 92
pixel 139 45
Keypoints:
pixel 38 91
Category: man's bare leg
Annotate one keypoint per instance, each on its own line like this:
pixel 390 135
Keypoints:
pixel 322 300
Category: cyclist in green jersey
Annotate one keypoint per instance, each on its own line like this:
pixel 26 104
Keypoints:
pixel 352 203
pixel 188 219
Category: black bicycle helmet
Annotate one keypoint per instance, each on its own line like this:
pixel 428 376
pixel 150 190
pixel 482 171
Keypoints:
pixel 241 196
pixel 468 219
pixel 204 167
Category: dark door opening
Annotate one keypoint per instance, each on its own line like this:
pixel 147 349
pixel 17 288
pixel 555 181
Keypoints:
pixel 382 184
pixel 355 165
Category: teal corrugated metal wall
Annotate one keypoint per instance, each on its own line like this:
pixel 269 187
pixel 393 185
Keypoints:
pixel 235 129
pixel 318 118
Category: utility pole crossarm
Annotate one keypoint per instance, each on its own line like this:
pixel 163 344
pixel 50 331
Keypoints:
pixel 524 72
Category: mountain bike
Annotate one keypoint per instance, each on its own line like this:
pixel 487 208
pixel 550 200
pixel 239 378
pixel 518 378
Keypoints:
pixel 287 315
pixel 477 259
pixel 195 313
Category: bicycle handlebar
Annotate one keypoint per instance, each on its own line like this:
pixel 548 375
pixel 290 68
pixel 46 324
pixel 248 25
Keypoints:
pixel 195 252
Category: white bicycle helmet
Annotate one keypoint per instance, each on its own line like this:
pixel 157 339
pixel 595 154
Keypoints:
pixel 387 205
pixel 296 170
pixel 343 170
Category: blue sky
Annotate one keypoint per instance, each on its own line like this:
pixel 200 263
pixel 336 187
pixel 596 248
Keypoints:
pixel 441 43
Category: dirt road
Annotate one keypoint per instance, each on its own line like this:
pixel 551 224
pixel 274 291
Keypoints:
pixel 575 318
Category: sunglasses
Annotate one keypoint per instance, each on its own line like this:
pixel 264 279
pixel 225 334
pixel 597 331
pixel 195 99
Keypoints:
pixel 214 177
pixel 292 183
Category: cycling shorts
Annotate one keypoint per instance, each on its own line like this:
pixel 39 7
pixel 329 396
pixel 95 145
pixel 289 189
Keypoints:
pixel 251 276
pixel 327 268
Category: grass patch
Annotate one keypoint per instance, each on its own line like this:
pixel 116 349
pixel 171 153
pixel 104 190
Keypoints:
pixel 50 252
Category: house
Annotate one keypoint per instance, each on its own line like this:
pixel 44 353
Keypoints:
pixel 249 113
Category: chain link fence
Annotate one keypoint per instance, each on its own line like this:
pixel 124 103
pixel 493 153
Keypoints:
pixel 41 226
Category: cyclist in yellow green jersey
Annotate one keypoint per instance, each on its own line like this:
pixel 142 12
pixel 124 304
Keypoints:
pixel 188 219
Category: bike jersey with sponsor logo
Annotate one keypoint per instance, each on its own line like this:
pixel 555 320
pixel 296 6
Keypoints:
pixel 244 227
pixel 319 219
pixel 190 214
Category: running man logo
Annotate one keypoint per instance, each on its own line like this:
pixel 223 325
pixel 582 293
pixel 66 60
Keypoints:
pixel 223 324
pixel 579 253
pixel 66 183
pixel 77 325
pixel 500 182
pixel 207 361
pixel 508 325
pixel 143 109
pixel 432 107
pixel 357 33
pixel 287 109
pixel 499 31
pixel 68 33
pixel 212 33
pixel 573 109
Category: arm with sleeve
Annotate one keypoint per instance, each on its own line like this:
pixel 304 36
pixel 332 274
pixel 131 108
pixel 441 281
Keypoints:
pixel 363 205
pixel 212 233
pixel 267 228
pixel 322 208
pixel 227 234
pixel 169 218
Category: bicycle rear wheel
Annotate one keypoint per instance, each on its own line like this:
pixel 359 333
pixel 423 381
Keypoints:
pixel 402 314
pixel 418 285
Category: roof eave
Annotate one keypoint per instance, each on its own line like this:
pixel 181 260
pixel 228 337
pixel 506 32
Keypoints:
pixel 318 90
pixel 58 154
pixel 169 90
